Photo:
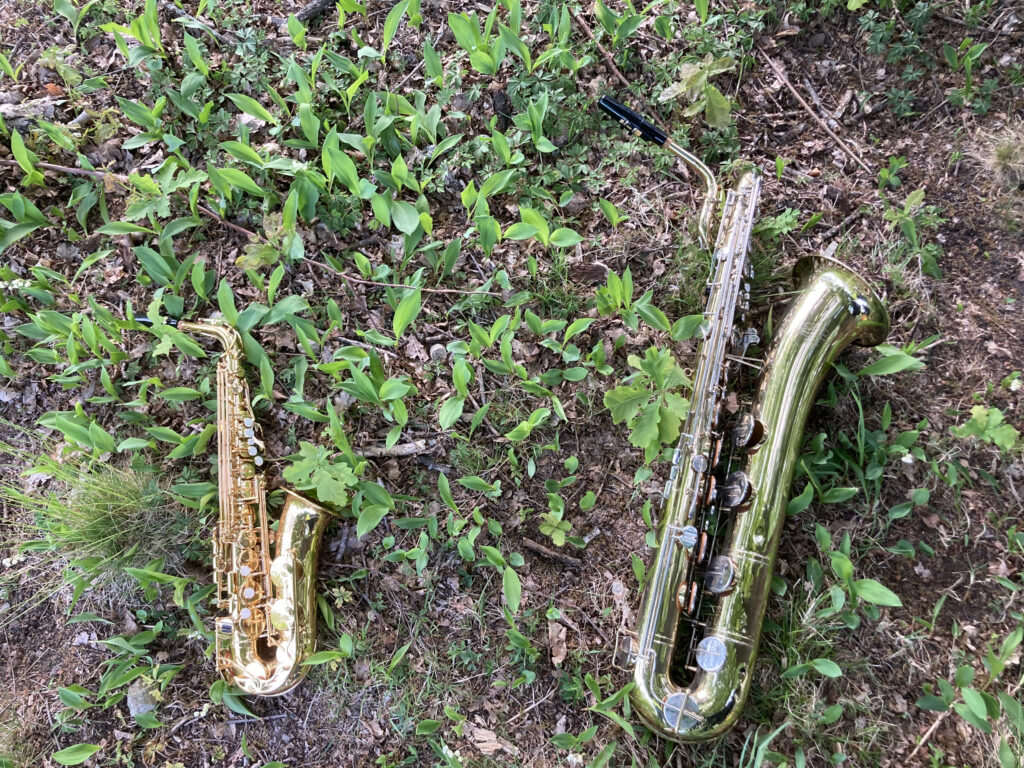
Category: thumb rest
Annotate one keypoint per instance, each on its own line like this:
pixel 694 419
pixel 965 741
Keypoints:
pixel 699 626
pixel 267 625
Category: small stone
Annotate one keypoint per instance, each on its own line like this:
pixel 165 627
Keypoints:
pixel 438 353
pixel 142 697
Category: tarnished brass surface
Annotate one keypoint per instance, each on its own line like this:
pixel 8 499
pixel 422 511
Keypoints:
pixel 834 309
pixel 267 625
pixel 699 625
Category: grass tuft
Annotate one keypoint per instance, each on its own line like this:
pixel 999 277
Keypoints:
pixel 82 510
pixel 1003 156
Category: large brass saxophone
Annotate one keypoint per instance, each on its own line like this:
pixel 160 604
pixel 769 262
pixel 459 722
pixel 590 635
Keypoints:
pixel 693 651
pixel 268 622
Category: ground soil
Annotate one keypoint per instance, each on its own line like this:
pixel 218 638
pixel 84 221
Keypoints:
pixel 356 713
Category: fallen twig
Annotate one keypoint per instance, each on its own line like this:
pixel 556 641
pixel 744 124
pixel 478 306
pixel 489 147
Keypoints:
pixel 363 281
pixel 314 8
pixel 177 14
pixel 810 111
pixel 405 449
pixel 540 549
pixel 610 60
pixel 842 225
pixel 124 181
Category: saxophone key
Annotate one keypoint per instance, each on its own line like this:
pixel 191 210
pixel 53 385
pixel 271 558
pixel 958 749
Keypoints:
pixel 700 463
pixel 720 577
pixel 687 537
pixel 747 432
pixel 711 654
pixel 736 490
pixel 686 596
pixel 710 492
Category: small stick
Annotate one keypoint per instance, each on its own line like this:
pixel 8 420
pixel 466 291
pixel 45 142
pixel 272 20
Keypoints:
pixel 572 562
pixel 124 182
pixel 839 142
pixel 314 8
pixel 928 734
pixel 535 704
pixel 611 61
pixel 405 449
pixel 362 281
pixel 832 231
pixel 177 14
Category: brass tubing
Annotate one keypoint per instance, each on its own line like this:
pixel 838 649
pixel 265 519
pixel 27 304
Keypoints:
pixel 834 309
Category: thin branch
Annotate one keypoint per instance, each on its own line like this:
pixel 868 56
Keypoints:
pixel 377 283
pixel 125 182
pixel 810 111
pixel 314 8
pixel 610 60
pixel 540 549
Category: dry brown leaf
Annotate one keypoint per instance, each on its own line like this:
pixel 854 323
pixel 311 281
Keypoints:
pixel 556 642
pixel 414 350
pixel 487 741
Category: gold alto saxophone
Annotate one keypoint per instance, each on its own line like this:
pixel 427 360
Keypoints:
pixel 268 622
pixel 692 654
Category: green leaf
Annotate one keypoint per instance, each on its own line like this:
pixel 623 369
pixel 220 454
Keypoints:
pixel 74 697
pixel 716 108
pixel 976 702
pixel 565 238
pixel 838 495
pixel 427 727
pixel 195 55
pixel 21 153
pixel 873 592
pixel 686 327
pixel 450 412
pixel 323 657
pixel 369 518
pixel 237 178
pixel 76 755
pixel 645 428
pixel 394 18
pixel 564 740
pixel 252 107
pixel 799 503
pixel 494 556
pixel 827 667
pixel 139 114
pixel 520 231
pixel 123 228
pixel 932 703
pixel 624 401
pixel 653 316
pixel 399 655
pixel 407 311
pixel 512 589
pixel 1013 710
pixel 1006 757
pixel 405 217
pixel 971 716
pixel 895 363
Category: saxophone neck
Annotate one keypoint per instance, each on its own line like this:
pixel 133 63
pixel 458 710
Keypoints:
pixel 216 328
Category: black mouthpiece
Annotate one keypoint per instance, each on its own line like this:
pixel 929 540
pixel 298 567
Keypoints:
pixel 632 121
pixel 143 320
